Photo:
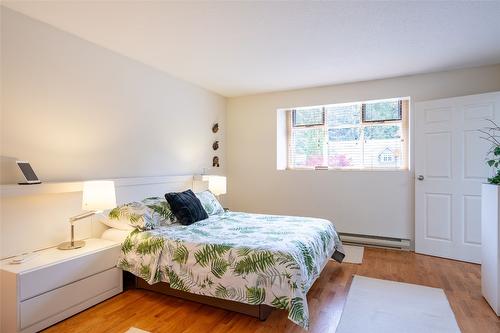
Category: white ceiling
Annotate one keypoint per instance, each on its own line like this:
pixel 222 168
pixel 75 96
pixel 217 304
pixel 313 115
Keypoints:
pixel 240 48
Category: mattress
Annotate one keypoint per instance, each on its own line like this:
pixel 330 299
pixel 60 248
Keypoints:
pixel 248 258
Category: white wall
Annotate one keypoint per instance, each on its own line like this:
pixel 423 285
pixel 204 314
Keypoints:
pixel 77 111
pixel 33 218
pixel 364 202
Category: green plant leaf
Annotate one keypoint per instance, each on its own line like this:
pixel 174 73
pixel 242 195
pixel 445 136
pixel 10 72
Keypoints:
pixel 287 260
pixel 271 277
pixel 163 209
pixel 114 214
pixel 256 295
pixel 158 275
pixel 218 267
pixel 325 239
pixel 181 254
pixel 243 251
pixel 127 245
pixel 124 264
pixel 175 281
pixel 281 302
pixel 145 272
pixel 237 294
pixel 254 262
pixel 209 252
pixel 296 312
pixel 307 255
pixel 221 291
pixel 135 218
pixel 495 180
pixel 150 245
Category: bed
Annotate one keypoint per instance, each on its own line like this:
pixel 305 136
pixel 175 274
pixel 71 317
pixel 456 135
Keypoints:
pixel 248 263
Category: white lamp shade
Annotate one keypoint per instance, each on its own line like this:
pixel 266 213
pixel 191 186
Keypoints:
pixel 217 184
pixel 99 195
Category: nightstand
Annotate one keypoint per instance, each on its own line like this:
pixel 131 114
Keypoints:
pixel 56 284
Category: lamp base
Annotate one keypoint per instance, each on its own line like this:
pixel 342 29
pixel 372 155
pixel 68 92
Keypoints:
pixel 71 246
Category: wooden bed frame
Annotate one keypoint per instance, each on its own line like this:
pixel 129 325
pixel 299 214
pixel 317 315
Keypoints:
pixel 261 311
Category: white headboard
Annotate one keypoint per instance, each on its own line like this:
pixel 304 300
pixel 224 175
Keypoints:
pixel 34 217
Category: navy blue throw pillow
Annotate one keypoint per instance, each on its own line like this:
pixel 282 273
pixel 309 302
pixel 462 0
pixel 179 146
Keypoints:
pixel 186 207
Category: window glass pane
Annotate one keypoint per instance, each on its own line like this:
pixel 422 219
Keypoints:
pixel 382 132
pixel 343 115
pixel 344 149
pixel 380 111
pixel 308 117
pixel 344 154
pixel 343 134
pixel 307 148
pixel 383 146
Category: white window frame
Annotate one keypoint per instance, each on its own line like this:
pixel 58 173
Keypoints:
pixel 404 121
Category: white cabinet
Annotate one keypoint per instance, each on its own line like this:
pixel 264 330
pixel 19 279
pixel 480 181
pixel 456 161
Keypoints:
pixel 56 284
pixel 490 233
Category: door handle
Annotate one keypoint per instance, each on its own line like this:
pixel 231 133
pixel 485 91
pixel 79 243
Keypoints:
pixel 420 177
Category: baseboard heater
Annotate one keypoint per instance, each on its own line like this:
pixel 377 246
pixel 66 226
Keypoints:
pixel 376 241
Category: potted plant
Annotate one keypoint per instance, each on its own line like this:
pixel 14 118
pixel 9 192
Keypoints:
pixel 490 221
pixel 492 135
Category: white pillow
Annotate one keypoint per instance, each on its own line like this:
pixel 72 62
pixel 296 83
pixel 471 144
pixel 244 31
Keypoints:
pixel 121 224
pixel 210 203
pixel 148 214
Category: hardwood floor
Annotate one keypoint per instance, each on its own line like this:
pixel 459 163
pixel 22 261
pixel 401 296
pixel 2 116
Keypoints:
pixel 158 313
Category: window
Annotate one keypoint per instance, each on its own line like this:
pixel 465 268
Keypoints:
pixel 308 117
pixel 369 135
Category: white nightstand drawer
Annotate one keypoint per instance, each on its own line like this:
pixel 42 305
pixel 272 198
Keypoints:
pixel 36 282
pixel 69 299
pixel 56 284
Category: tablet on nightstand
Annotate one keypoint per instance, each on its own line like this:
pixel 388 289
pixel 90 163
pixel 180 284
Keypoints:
pixel 28 173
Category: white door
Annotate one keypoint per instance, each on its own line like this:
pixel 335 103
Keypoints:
pixel 449 169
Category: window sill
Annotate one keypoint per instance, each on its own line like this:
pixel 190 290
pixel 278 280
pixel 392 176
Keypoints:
pixel 402 170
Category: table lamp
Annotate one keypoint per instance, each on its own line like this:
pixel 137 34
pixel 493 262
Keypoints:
pixel 217 184
pixel 98 195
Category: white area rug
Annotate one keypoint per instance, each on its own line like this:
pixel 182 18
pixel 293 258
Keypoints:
pixel 375 305
pixel 353 254
pixel 136 330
